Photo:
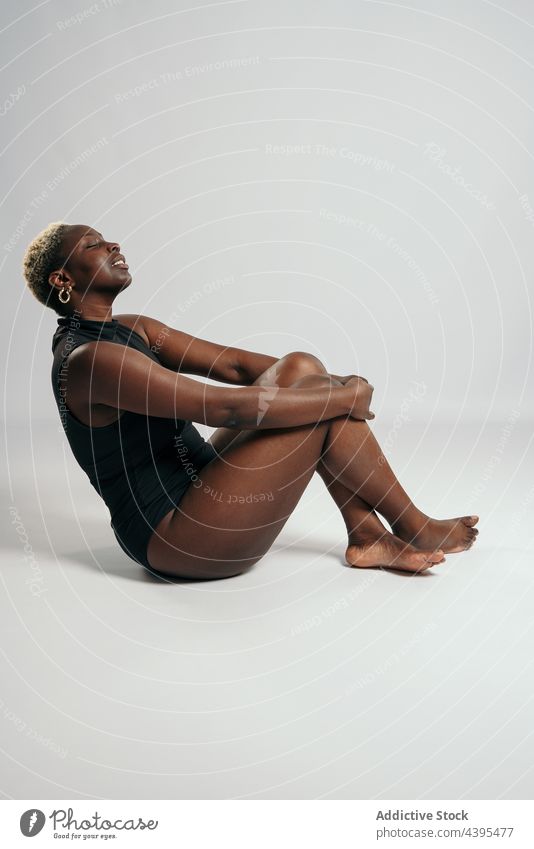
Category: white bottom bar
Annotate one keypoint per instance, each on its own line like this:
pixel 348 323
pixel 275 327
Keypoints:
pixel 266 824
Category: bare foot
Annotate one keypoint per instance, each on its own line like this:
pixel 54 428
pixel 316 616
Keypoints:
pixel 451 535
pixel 389 551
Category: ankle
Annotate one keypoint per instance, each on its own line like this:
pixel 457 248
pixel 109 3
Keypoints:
pixel 365 536
pixel 411 521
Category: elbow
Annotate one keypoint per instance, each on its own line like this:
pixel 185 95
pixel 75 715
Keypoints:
pixel 237 417
pixel 232 423
pixel 232 418
pixel 237 374
pixel 224 416
pixel 235 409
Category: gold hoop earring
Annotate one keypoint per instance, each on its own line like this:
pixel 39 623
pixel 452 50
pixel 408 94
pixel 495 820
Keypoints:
pixel 64 300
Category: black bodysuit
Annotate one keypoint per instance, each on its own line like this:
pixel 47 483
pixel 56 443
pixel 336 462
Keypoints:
pixel 140 465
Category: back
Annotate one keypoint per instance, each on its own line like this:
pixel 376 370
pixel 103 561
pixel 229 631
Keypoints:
pixel 119 456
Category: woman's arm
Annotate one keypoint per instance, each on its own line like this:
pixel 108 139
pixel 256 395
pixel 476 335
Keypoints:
pixel 125 379
pixel 180 351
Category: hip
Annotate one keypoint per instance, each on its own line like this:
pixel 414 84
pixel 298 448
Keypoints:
pixel 159 492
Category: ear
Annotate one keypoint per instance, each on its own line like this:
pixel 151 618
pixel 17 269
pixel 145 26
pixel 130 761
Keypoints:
pixel 58 278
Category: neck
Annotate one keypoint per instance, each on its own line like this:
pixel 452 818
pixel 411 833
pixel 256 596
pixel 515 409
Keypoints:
pixel 93 312
pixel 90 317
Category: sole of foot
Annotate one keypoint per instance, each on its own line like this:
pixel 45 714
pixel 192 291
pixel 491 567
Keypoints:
pixel 390 552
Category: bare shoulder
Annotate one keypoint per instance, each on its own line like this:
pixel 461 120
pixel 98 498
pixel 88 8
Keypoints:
pixel 101 361
pixel 87 356
pixel 142 324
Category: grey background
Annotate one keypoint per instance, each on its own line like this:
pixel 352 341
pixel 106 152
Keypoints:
pixel 354 179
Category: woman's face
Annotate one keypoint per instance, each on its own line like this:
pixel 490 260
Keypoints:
pixel 91 264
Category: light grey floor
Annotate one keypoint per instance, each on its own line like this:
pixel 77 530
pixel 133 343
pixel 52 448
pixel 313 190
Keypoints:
pixel 301 679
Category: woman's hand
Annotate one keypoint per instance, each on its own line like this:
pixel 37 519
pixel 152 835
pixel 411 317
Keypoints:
pixel 359 393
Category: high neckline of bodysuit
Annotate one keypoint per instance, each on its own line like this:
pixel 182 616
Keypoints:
pixel 78 320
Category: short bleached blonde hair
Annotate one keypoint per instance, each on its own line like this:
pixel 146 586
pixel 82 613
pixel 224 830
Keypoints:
pixel 42 256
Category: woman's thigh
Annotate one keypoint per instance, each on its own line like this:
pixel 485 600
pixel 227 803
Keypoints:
pixel 232 513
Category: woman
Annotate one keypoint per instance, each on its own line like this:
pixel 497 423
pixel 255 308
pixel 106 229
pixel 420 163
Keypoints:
pixel 198 509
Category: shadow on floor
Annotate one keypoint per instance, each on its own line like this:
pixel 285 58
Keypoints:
pixel 112 560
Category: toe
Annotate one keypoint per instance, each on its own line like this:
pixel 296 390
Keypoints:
pixel 470 520
pixel 430 558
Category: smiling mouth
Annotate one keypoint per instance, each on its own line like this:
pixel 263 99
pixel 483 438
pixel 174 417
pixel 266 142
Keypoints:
pixel 119 263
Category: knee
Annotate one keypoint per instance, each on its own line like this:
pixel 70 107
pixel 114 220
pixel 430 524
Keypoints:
pixel 298 364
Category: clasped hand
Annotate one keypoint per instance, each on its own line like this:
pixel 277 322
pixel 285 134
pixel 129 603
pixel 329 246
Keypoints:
pixel 359 394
